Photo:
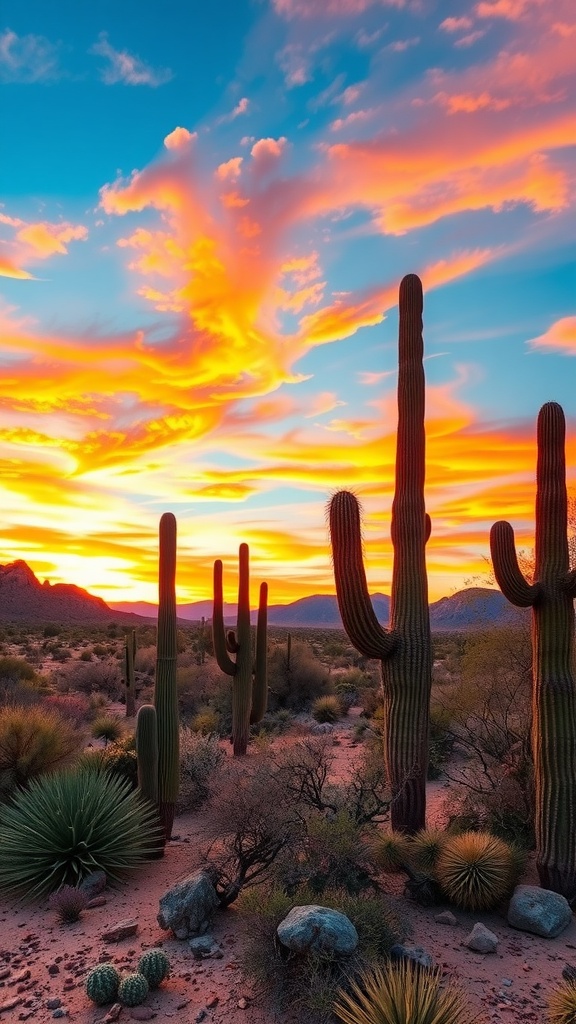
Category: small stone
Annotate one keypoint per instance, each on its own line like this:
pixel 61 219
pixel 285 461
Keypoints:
pixel 98 901
pixel 60 1012
pixel 53 1004
pixel 122 930
pixel 506 982
pixel 200 1016
pixel 142 1013
pixel 10 1004
pixel 20 976
pixel 212 1002
pixel 242 1003
pixel 481 939
pixel 5 973
pixel 94 883
pixel 446 917
pixel 113 1013
pixel 53 969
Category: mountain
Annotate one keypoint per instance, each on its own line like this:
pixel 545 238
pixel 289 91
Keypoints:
pixel 467 609
pixel 24 599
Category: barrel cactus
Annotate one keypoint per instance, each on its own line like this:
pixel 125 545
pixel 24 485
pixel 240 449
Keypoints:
pixel 155 966
pixel 165 691
pixel 249 682
pixel 551 597
pixel 133 989
pixel 404 649
pixel 102 984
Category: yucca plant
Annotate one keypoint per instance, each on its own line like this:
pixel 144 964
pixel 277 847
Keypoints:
pixel 562 1004
pixel 426 847
pixel 327 708
pixel 403 994
pixel 68 824
pixel 476 870
pixel 107 728
pixel 390 851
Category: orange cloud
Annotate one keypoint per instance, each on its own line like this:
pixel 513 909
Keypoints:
pixel 230 170
pixel 9 269
pixel 560 336
pixel 180 138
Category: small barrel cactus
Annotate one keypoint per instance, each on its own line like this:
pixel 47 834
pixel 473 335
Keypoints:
pixel 132 989
pixel 102 984
pixel 155 966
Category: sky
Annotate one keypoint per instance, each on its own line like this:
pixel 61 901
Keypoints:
pixel 205 214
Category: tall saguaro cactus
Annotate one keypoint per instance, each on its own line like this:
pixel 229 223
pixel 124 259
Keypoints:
pixel 165 690
pixel 405 648
pixel 249 682
pixel 551 597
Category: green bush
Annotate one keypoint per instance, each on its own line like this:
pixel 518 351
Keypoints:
pixel 326 709
pixel 295 687
pixel 33 741
pixel 206 721
pixel 68 824
pixel 16 670
pixel 200 756
pixel 107 727
pixel 476 870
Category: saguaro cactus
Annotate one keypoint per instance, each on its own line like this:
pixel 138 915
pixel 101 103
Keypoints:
pixel 147 752
pixel 551 597
pixel 405 648
pixel 165 690
pixel 130 683
pixel 249 682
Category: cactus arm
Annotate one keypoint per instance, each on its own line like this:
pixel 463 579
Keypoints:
pixel 260 685
pixel 147 752
pixel 225 663
pixel 354 602
pixel 509 576
pixel 427 528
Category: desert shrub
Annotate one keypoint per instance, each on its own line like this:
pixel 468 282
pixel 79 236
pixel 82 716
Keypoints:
pixel 97 677
pixel 19 684
pixel 33 741
pixel 390 851
pixel 326 709
pixel 16 670
pixel 200 757
pixel 68 903
pixel 333 856
pixel 120 759
pixel 86 656
pixel 476 870
pixel 107 727
pixel 68 824
pixel 275 723
pixel 73 708
pixel 297 686
pixel 205 721
pixel 562 1004
pixel 426 847
pixel 145 660
pixel 99 651
pixel 403 994
pixel 308 982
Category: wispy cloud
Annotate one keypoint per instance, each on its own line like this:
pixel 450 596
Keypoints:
pixel 28 59
pixel 126 68
pixel 560 337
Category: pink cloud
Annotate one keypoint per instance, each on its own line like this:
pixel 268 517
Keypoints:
pixel 180 138
pixel 511 10
pixel 266 153
pixel 356 117
pixel 230 170
pixel 560 336
pixel 456 24
pixel 322 8
pixel 125 68
pixel 43 240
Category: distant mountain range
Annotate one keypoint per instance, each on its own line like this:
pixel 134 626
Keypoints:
pixel 24 599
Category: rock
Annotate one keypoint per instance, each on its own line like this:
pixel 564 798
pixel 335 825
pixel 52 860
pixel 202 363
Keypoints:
pixel 97 901
pixel 200 1015
pixel 60 1012
pixel 321 729
pixel 10 1004
pixel 113 1014
pixel 142 1013
pixel 204 946
pixel 481 939
pixel 416 954
pixel 94 884
pixel 242 1003
pixel 317 928
pixel 188 907
pixel 212 1002
pixel 122 930
pixel 53 1004
pixel 539 911
pixel 446 917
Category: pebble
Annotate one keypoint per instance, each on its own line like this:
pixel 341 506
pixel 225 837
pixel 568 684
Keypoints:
pixel 53 1004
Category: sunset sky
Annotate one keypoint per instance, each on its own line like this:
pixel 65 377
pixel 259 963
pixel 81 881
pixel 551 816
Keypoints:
pixel 205 213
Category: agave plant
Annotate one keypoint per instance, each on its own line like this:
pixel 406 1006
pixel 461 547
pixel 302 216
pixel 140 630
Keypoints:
pixel 562 1004
pixel 403 994
pixel 68 824
pixel 476 870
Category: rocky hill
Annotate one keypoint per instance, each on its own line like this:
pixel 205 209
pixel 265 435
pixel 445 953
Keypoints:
pixel 24 599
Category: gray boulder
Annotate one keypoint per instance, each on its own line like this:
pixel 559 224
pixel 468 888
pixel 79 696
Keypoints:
pixel 539 911
pixel 188 907
pixel 415 954
pixel 481 939
pixel 319 929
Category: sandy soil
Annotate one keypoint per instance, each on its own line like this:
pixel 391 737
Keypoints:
pixel 42 961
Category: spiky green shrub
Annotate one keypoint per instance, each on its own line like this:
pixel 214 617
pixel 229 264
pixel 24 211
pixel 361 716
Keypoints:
pixel 33 741
pixel 68 824
pixel 389 851
pixel 327 709
pixel 155 966
pixel 426 847
pixel 405 994
pixel 107 728
pixel 562 1004
pixel 133 989
pixel 476 870
pixel 206 721
pixel 68 903
pixel 102 984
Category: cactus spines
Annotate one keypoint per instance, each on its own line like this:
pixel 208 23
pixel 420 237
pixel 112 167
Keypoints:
pixel 102 984
pixel 155 966
pixel 133 989
pixel 165 690
pixel 249 686
pixel 147 752
pixel 130 684
pixel 551 597
pixel 405 648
